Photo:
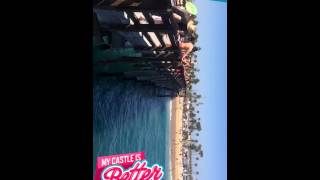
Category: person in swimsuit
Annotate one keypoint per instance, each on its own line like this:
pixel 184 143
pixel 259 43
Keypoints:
pixel 186 48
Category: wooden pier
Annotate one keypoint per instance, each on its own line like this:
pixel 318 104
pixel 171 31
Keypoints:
pixel 159 63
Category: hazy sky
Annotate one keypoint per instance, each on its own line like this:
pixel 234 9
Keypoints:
pixel 212 30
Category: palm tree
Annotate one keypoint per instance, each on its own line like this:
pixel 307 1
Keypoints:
pixel 195 81
pixel 194 100
pixel 196 70
pixel 199 148
pixel 196 95
pixel 201 153
pixel 198 126
pixel 195 56
pixel 195 148
pixel 193 121
pixel 192 115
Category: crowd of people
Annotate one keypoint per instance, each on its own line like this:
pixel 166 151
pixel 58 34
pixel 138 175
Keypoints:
pixel 187 37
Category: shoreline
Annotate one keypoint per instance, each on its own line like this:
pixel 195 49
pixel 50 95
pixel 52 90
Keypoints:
pixel 176 137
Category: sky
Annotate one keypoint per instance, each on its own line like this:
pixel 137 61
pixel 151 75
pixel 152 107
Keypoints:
pixel 212 58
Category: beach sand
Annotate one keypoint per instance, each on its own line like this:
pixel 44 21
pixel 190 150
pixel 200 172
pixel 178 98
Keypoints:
pixel 176 137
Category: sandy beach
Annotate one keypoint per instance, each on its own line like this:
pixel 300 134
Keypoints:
pixel 176 137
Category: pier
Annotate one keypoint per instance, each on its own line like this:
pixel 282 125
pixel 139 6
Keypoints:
pixel 137 47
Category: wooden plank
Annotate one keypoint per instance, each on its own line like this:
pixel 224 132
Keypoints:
pixel 165 17
pixel 149 77
pixel 154 76
pixel 159 37
pixel 131 16
pixel 161 54
pixel 174 42
pixel 175 28
pixel 128 8
pixel 171 49
pixel 146 34
pixel 117 3
pixel 167 60
pixel 134 60
pixel 148 17
pixel 144 48
pixel 130 3
pixel 142 73
pixel 144 28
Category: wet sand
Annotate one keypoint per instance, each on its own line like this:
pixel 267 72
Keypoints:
pixel 176 137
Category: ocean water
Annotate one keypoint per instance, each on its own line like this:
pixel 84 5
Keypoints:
pixel 129 118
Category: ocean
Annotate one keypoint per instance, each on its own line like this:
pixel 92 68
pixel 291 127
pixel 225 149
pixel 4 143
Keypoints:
pixel 129 118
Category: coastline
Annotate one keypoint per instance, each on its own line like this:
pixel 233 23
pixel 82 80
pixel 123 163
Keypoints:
pixel 176 137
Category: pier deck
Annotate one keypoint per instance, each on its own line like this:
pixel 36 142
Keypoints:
pixel 156 41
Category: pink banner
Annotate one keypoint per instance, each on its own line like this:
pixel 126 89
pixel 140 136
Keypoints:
pixel 124 160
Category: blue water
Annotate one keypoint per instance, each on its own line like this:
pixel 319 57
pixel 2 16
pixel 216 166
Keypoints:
pixel 129 118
